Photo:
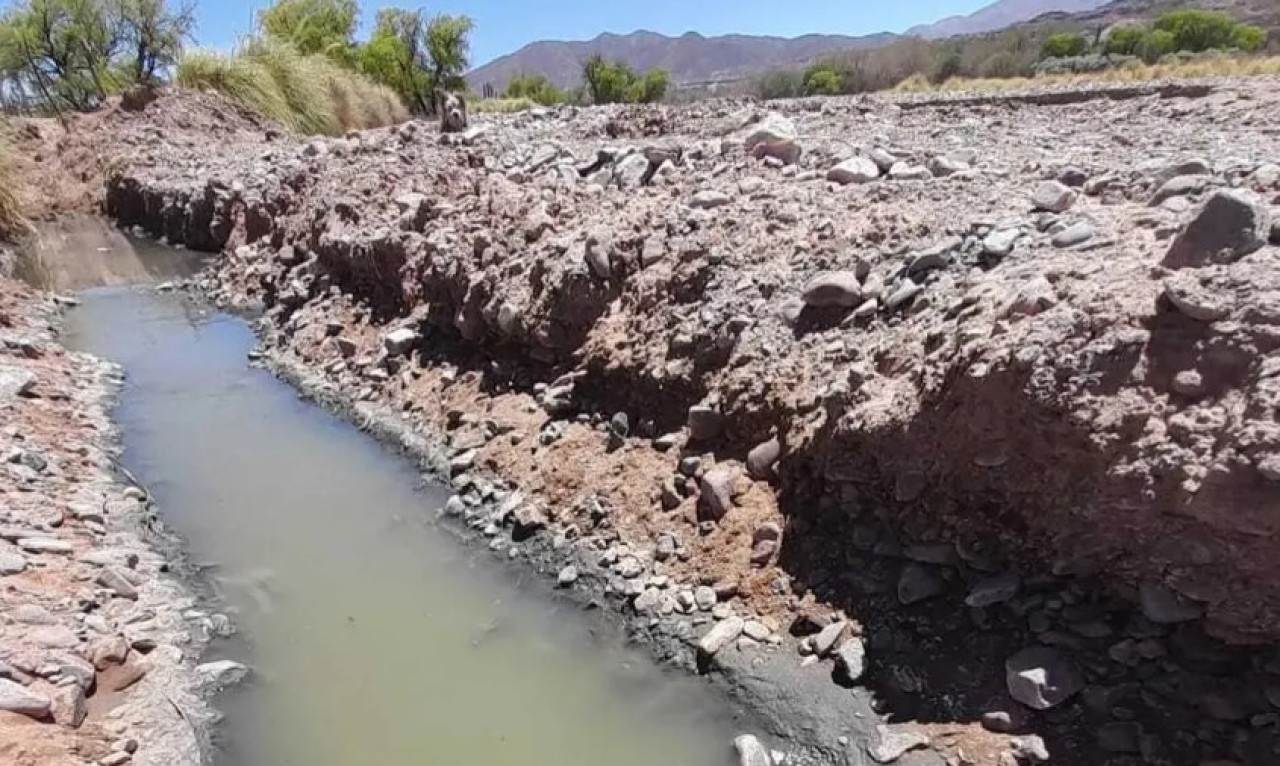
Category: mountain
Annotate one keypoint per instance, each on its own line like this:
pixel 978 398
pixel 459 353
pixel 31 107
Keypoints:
pixel 1000 14
pixel 690 58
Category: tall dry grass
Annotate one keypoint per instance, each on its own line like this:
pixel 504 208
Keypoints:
pixel 12 222
pixel 1209 67
pixel 308 94
pixel 501 105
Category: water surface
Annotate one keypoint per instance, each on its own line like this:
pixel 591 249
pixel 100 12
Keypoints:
pixel 377 639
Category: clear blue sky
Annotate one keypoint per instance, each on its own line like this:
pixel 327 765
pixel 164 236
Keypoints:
pixel 503 26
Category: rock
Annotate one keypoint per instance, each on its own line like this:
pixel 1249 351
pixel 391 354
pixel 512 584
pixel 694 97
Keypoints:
pixel 568 576
pixel 1004 721
pixel 773 136
pixel 751 752
pixel 903 171
pixel 891 744
pixel 1189 383
pixel 833 289
pixel 68 706
pixel 1120 737
pixel 903 294
pixel 716 499
pixel 1228 226
pixel 721 635
pixel 855 170
pixel 630 171
pixel 117 758
pixel 1191 167
pixel 917 584
pixel 1034 297
pixel 648 601
pixel 1076 234
pixel 993 590
pixel 944 166
pixel 1164 606
pixel 1029 749
pixel 32 614
pixel 1179 186
pixel 55 637
pixel 758 631
pixel 596 255
pixel 851 660
pixel 1073 177
pixel 1042 677
pixel 222 673
pixel 705 422
pixel 629 568
pixel 15 382
pixel 709 199
pixel 826 640
pixel 15 698
pixel 109 651
pixel 763 457
pixel 138 97
pixel 114 580
pixel 1054 197
pixel 1000 242
pixel 12 563
pixel 704 597
pixel 45 545
pixel 400 342
pixel 1189 296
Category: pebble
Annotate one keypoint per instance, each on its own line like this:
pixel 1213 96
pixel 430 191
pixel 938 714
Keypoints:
pixel 994 590
pixel 222 673
pixel 855 170
pixel 917 584
pixel 12 563
pixel 825 641
pixel 763 457
pixel 704 598
pixel 833 289
pixel 705 422
pixel 568 576
pixel 892 744
pixel 45 545
pixel 1076 234
pixel 751 752
pixel 117 758
pixel 1029 749
pixel 1164 606
pixel 1054 197
pixel 709 199
pixel 721 635
pixel 851 660
pixel 1042 678
pixel 760 632
pixel 716 498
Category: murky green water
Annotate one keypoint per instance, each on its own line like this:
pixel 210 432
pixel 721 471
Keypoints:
pixel 376 638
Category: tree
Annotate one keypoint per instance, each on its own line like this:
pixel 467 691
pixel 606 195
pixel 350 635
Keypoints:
pixel 396 56
pixel 1123 41
pixel 449 48
pixel 1248 38
pixel 649 89
pixel 61 51
pixel 534 87
pixel 607 81
pixel 313 26
pixel 823 80
pixel 154 34
pixel 1065 45
pixel 1154 44
pixel 1198 30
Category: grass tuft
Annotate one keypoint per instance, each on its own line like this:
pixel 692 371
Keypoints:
pixel 501 105
pixel 308 94
pixel 12 222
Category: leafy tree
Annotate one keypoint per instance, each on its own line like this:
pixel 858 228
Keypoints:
pixel 534 87
pixel 823 80
pixel 313 26
pixel 1065 45
pixel 1198 30
pixel 154 35
pixel 396 56
pixel 448 46
pixel 607 81
pixel 1248 38
pixel 1154 44
pixel 1124 41
pixel 650 88
pixel 61 51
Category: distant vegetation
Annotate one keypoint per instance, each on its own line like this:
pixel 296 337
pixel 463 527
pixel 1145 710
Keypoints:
pixel 1176 38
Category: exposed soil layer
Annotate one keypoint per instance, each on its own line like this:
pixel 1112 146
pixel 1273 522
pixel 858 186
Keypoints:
pixel 886 360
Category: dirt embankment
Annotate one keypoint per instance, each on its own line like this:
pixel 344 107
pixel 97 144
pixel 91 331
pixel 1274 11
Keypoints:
pixel 988 376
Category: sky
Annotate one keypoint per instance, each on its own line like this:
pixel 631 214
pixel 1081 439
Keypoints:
pixel 504 26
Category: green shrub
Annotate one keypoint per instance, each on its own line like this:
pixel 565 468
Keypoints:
pixel 1248 38
pixel 534 87
pixel 1065 45
pixel 649 89
pixel 1197 30
pixel 1124 41
pixel 613 82
pixel 1153 44
pixel 999 65
pixel 823 81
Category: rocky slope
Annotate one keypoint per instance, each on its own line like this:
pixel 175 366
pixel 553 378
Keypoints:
pixel 992 378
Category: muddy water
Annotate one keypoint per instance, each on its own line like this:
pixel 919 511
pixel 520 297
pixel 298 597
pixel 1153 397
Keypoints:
pixel 376 638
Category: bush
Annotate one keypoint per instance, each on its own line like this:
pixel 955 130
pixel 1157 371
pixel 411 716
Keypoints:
pixel 1248 38
pixel 308 94
pixel 502 105
pixel 1124 41
pixel 999 65
pixel 951 64
pixel 649 89
pixel 1083 64
pixel 1153 44
pixel 533 87
pixel 1065 45
pixel 612 82
pixel 822 80
pixel 1197 30
pixel 779 83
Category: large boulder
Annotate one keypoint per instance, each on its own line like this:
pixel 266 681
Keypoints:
pixel 773 136
pixel 1228 226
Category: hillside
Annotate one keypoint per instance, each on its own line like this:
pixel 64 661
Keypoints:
pixel 998 15
pixel 690 58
